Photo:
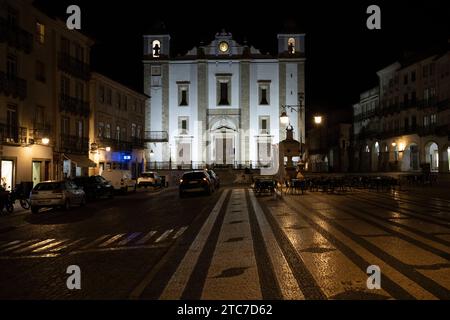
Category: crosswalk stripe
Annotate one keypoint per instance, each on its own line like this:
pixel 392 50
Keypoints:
pixel 51 245
pixel 146 237
pixel 67 245
pixel 95 242
pixel 9 244
pixel 129 239
pixel 180 278
pixel 163 236
pixel 35 245
pixel 18 246
pixel 111 240
pixel 285 278
pixel 179 232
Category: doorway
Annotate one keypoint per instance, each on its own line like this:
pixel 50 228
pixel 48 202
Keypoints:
pixel 7 174
pixel 224 150
pixel 36 172
pixel 432 155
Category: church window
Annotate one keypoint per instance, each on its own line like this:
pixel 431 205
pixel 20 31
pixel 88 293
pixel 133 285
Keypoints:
pixel 264 89
pixel 183 94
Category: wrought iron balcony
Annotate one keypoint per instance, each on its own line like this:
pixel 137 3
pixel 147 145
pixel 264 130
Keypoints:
pixel 41 131
pixel 74 105
pixel 73 66
pixel 74 144
pixel 115 144
pixel 13 134
pixel 15 36
pixel 13 86
pixel 156 136
pixel 137 143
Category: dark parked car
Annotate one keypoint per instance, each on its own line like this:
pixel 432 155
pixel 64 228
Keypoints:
pixel 215 178
pixel 196 181
pixel 95 186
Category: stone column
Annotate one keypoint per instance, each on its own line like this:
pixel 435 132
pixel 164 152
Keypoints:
pixel 244 132
pixel 282 95
pixel 165 107
pixel 301 88
pixel 202 95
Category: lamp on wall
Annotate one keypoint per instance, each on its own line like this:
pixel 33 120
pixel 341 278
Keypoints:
pixel 45 141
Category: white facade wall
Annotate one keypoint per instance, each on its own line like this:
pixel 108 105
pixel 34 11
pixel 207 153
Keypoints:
pixel 212 127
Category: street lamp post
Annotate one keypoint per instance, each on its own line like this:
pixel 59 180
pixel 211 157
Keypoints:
pixel 284 118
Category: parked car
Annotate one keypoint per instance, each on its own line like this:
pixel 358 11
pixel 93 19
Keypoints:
pixel 95 186
pixel 149 179
pixel 50 194
pixel 121 180
pixel 196 181
pixel 215 178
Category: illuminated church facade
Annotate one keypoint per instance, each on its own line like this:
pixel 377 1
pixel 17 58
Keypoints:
pixel 220 103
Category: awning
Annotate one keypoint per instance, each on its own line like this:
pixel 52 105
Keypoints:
pixel 81 161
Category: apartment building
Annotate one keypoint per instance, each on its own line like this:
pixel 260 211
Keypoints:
pixel 116 126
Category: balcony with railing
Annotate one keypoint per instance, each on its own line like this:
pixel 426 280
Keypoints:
pixel 14 135
pixel 137 143
pixel 13 86
pixel 156 136
pixel 74 105
pixel 73 66
pixel 40 131
pixel 74 144
pixel 441 130
pixel 116 145
pixel 15 36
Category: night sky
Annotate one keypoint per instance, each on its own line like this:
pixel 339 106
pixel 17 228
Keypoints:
pixel 342 54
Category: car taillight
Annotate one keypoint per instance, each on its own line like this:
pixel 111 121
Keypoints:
pixel 204 179
pixel 181 180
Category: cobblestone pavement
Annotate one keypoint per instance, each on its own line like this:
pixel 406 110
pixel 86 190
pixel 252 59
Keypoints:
pixel 233 245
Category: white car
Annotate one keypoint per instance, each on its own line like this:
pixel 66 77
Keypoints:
pixel 121 180
pixel 50 194
pixel 149 179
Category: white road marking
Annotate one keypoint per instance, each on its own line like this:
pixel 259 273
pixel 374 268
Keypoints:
pixel 96 241
pixel 51 245
pixel 18 245
pixel 180 278
pixel 111 240
pixel 179 232
pixel 285 278
pixel 40 243
pixel 163 236
pixel 129 238
pixel 9 244
pixel 67 245
pixel 146 237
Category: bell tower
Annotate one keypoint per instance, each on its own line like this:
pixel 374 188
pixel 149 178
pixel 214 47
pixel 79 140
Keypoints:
pixel 157 46
pixel 291 45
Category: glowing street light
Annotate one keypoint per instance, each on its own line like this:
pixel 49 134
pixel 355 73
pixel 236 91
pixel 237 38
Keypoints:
pixel 318 119
pixel 108 149
pixel 284 118
pixel 45 141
